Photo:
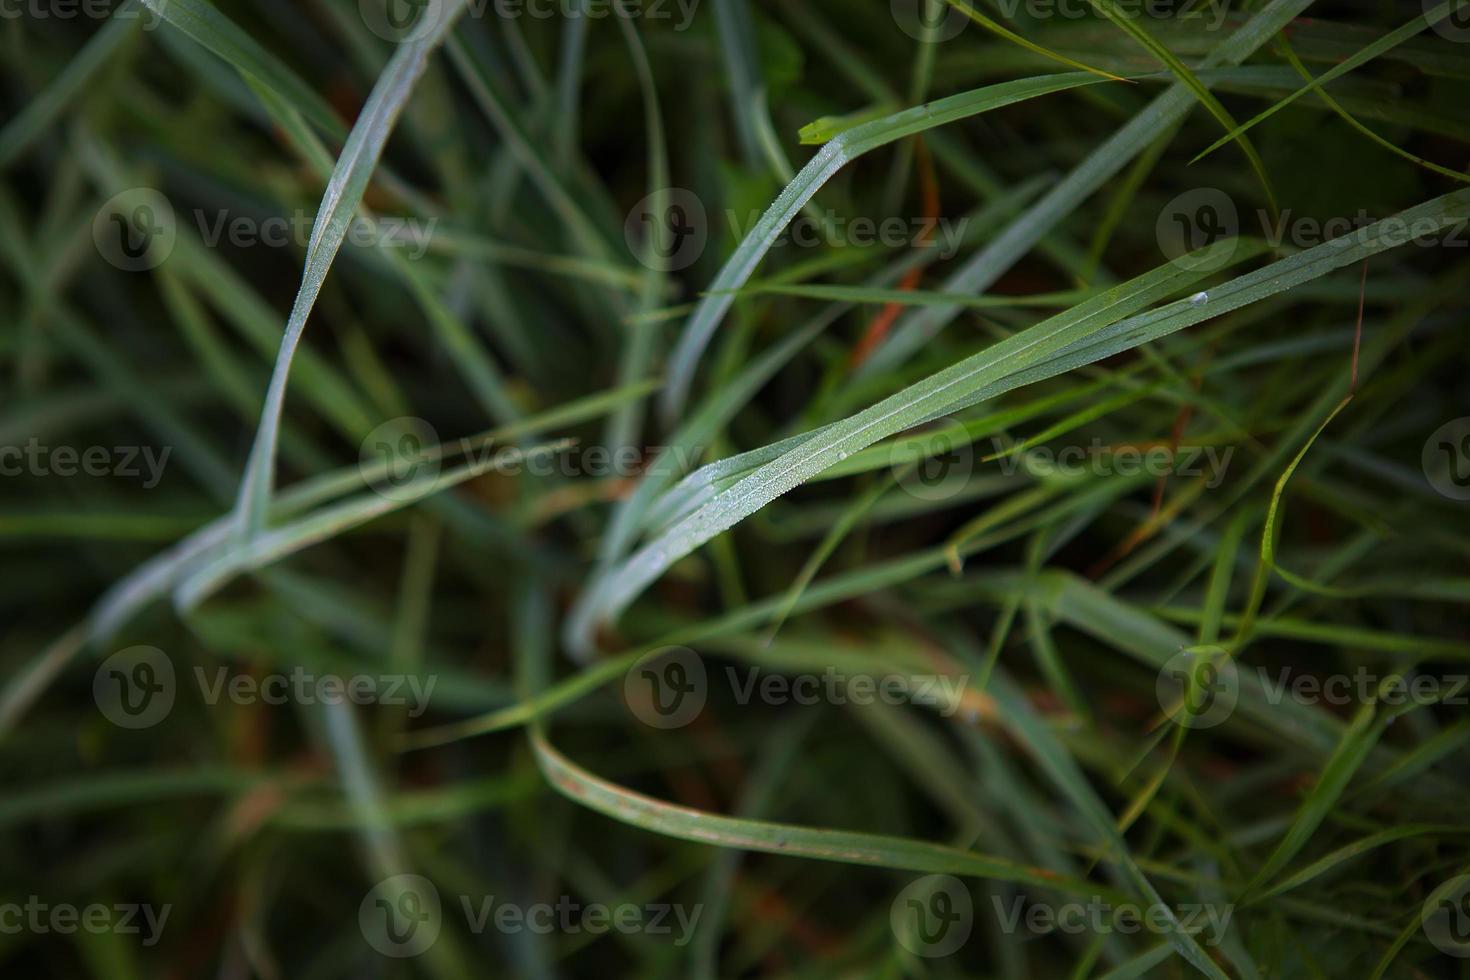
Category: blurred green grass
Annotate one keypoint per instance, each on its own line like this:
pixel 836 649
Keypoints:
pixel 816 474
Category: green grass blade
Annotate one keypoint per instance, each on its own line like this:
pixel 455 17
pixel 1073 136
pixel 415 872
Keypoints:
pixel 1181 71
pixel 953 388
pixel 836 154
pixel 339 204
pixel 203 22
pixel 988 265
pixel 1386 43
pixel 701 827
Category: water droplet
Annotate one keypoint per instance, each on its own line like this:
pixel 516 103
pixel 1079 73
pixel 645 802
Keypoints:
pixel 1199 299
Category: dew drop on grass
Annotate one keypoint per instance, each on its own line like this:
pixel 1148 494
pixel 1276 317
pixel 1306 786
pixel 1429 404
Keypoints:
pixel 1199 299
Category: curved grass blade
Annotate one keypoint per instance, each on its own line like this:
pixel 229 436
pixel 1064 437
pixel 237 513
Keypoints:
pixel 1032 46
pixel 842 149
pixel 698 489
pixel 1357 742
pixel 269 546
pixel 1429 752
pixel 1126 23
pixel 1358 847
pixel 1063 200
pixel 1367 54
pixel 633 515
pixel 695 489
pixel 1037 738
pixel 1032 350
pixel 872 850
pixel 201 21
pixel 700 428
pixel 479 371
pixel 1269 535
pixel 1348 118
pixel 156 577
pixel 1441 894
pixel 344 192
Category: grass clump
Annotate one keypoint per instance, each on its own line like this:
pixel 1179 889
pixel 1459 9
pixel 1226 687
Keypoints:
pixel 726 490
